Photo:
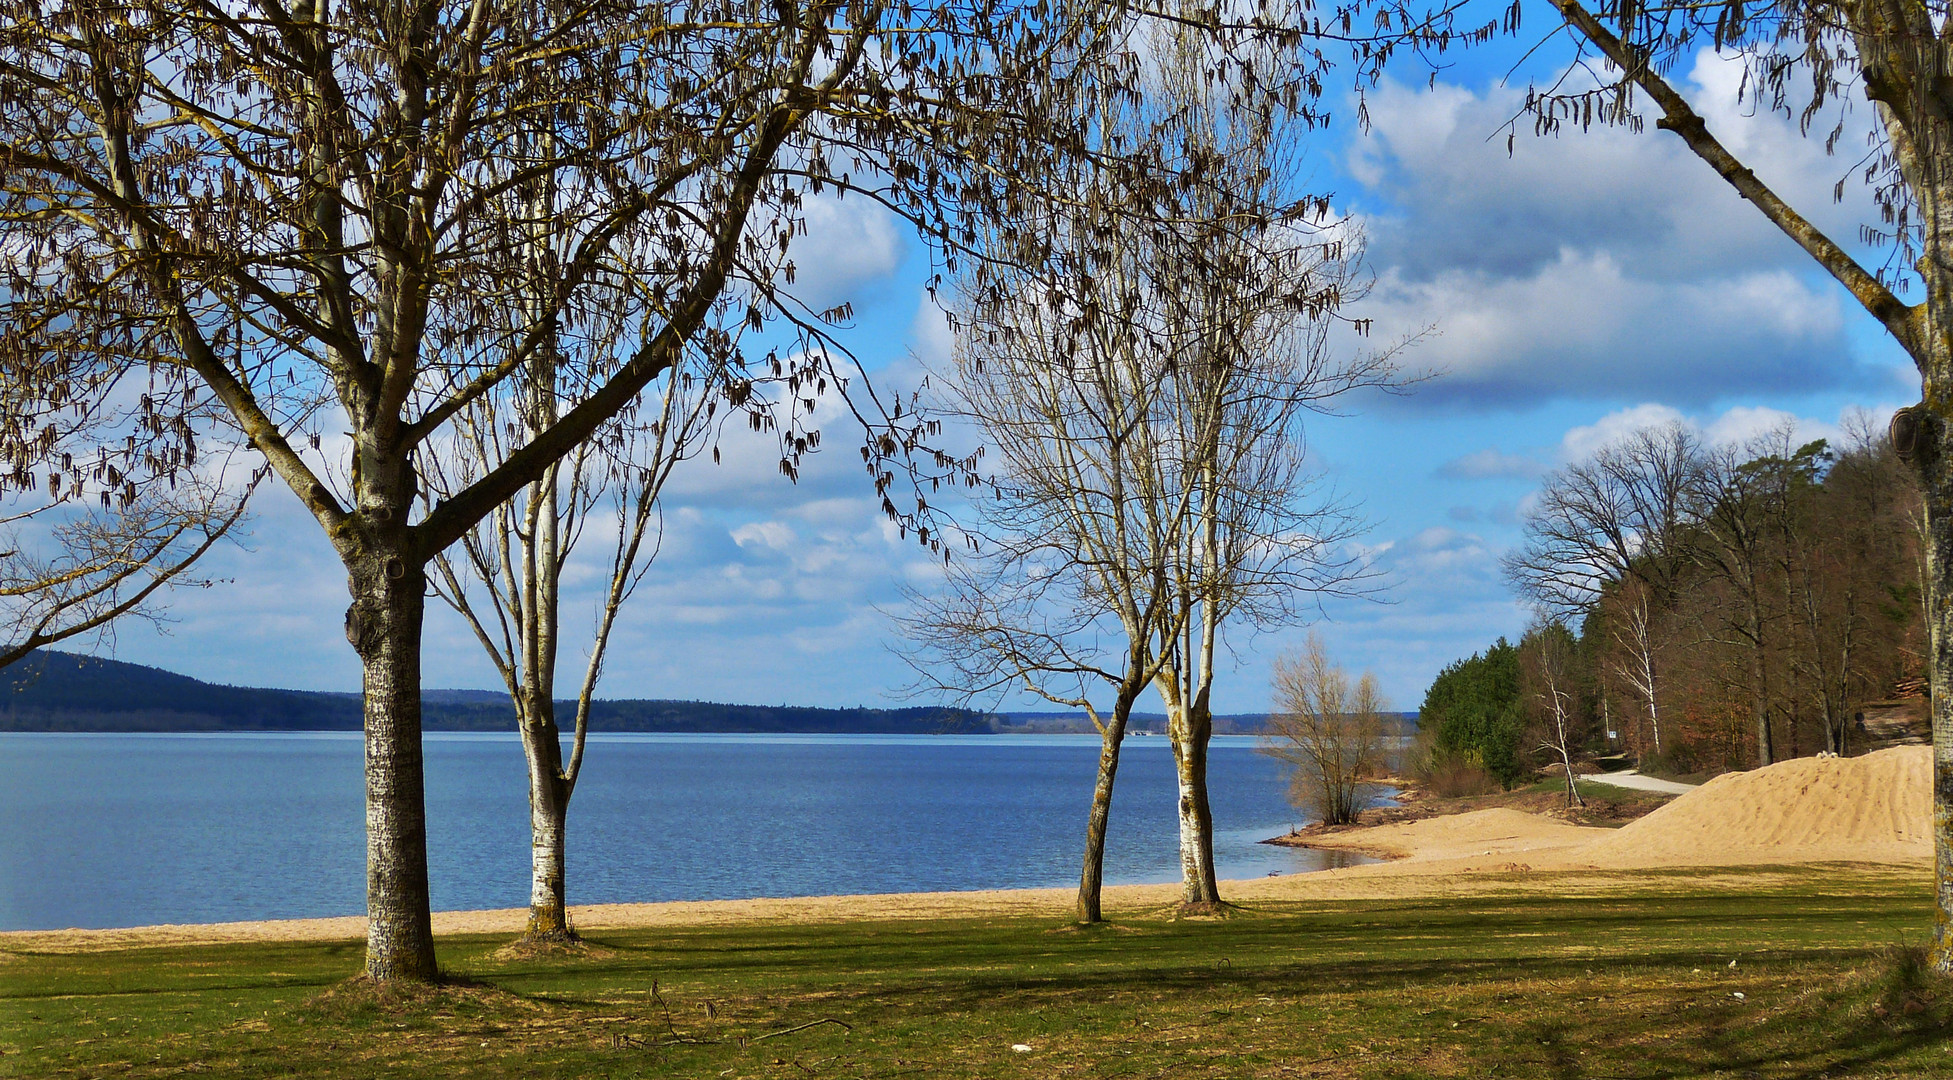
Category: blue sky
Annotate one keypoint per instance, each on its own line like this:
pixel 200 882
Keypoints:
pixel 1578 287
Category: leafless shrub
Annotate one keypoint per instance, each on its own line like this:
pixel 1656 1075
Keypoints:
pixel 1329 729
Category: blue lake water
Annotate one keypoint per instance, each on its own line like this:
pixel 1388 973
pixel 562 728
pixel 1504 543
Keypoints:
pixel 130 830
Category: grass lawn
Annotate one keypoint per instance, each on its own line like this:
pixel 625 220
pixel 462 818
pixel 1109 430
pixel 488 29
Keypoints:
pixel 1617 984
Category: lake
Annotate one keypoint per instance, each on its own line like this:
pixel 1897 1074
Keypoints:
pixel 127 830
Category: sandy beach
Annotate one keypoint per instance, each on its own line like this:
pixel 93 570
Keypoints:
pixel 1873 810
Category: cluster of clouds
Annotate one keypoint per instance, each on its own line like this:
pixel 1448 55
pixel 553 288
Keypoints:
pixel 1603 264
pixel 1733 426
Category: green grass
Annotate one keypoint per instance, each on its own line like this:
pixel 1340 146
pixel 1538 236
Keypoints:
pixel 1590 789
pixel 1634 984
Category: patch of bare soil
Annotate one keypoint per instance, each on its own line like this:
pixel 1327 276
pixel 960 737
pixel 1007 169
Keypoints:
pixel 532 947
pixel 361 994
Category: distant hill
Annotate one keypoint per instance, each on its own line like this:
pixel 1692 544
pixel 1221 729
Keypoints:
pixel 55 691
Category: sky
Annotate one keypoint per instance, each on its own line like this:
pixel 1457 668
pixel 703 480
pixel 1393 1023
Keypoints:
pixel 1563 293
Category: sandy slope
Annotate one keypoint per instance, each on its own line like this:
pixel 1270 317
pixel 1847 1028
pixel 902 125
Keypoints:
pixel 1874 809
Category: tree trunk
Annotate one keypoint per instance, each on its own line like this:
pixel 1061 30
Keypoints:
pixel 1204 813
pixel 1759 700
pixel 549 805
pixel 1198 883
pixel 1091 878
pixel 384 626
pixel 1760 709
pixel 1934 456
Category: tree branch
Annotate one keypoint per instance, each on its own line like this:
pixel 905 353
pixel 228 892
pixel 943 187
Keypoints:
pixel 1900 320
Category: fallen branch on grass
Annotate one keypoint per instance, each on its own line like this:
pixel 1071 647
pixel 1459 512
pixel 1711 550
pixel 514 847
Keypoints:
pixel 804 1027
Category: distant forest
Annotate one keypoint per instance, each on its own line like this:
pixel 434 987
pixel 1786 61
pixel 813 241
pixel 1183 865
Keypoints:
pixel 55 691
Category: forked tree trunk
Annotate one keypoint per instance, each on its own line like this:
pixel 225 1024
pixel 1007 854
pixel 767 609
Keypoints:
pixel 384 626
pixel 1091 877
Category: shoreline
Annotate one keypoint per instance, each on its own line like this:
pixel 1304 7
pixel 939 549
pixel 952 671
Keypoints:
pixel 1488 858
pixel 1872 813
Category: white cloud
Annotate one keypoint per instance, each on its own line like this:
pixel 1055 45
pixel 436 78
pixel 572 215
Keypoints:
pixel 1582 326
pixel 1492 463
pixel 1746 422
pixel 1581 442
pixel 772 535
pixel 850 246
pixel 1600 264
pixel 933 340
pixel 1731 427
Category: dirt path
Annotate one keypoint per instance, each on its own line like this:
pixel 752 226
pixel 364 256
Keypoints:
pixel 1634 780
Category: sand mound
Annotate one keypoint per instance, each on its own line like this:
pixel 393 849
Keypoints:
pixel 1876 808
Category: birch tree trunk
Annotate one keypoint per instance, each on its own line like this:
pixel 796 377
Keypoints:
pixel 549 806
pixel 1190 726
pixel 1201 723
pixel 1641 674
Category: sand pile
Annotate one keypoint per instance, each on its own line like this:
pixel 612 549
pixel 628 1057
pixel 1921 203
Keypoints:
pixel 1876 808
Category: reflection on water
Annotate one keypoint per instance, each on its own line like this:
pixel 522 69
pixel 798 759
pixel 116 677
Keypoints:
pixel 120 830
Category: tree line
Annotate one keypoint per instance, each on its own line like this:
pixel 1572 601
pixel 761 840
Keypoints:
pixel 53 691
pixel 1702 608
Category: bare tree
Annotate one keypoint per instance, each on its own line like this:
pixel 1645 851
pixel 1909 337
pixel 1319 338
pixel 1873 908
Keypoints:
pixel 1546 660
pixel 1066 583
pixel 507 582
pixel 1246 303
pixel 1609 527
pixel 1145 387
pixel 1329 731
pixel 1065 588
pixel 300 210
pixel 1735 541
pixel 1855 589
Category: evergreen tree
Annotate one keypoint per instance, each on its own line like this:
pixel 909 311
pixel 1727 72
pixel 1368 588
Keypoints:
pixel 1474 713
